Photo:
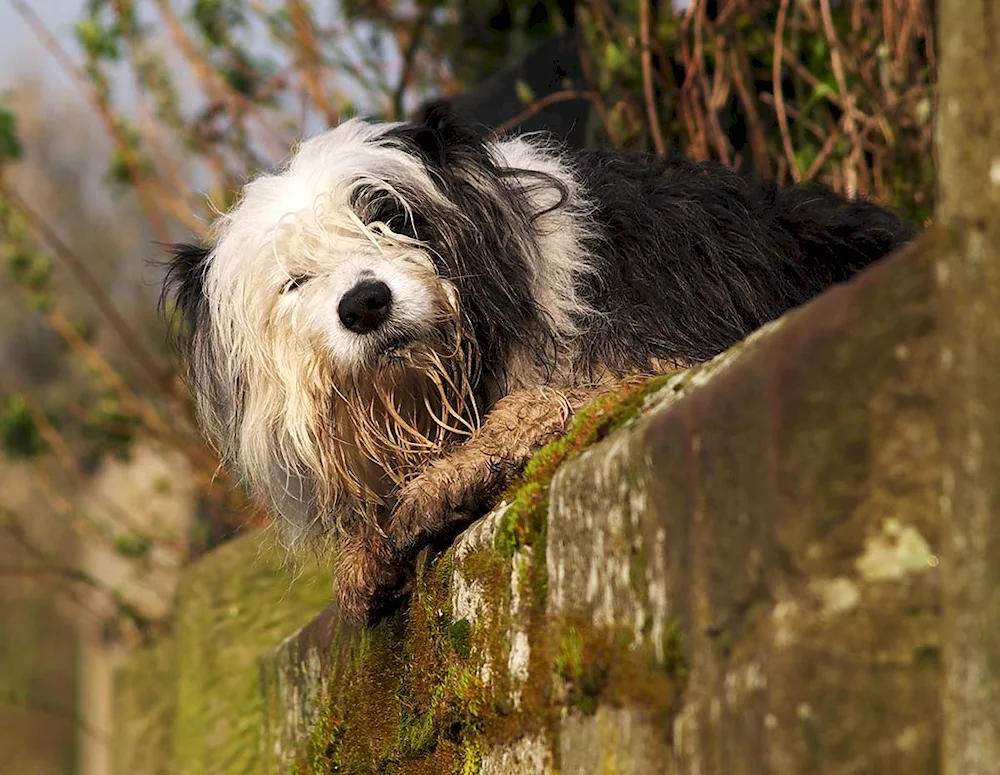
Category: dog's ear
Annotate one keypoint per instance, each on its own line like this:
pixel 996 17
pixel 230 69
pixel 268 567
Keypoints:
pixel 429 137
pixel 439 130
pixel 437 116
pixel 182 298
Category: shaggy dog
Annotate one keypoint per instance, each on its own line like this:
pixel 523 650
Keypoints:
pixel 379 334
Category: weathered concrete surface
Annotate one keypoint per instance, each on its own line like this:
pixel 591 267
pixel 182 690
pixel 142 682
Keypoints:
pixel 743 580
pixel 294 680
pixel 192 703
pixel 610 741
pixel 784 514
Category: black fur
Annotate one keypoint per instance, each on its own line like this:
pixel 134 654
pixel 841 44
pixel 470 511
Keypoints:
pixel 480 253
pixel 188 324
pixel 184 284
pixel 693 257
pixel 690 257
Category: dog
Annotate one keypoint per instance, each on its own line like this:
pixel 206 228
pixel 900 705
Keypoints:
pixel 379 334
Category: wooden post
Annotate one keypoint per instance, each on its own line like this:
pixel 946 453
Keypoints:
pixel 968 273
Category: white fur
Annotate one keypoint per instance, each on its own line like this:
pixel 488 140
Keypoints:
pixel 291 351
pixel 562 257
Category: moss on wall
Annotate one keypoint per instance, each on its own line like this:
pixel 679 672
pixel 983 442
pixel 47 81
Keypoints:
pixel 743 579
pixel 144 710
pixel 430 692
pixel 234 605
pixel 191 703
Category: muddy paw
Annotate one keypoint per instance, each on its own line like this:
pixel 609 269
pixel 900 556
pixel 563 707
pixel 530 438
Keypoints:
pixel 369 577
pixel 441 500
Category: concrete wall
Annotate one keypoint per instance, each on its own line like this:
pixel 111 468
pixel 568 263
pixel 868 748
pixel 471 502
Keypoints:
pixel 732 571
pixel 191 702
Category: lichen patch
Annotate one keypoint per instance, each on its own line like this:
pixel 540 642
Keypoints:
pixel 837 595
pixel 896 551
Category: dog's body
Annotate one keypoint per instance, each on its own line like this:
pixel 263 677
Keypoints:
pixel 381 333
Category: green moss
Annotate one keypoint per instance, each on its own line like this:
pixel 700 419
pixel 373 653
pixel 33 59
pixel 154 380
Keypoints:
pixel 485 566
pixel 472 761
pixel 460 634
pixel 408 696
pixel 571 669
pixel 674 658
pixel 524 520
pixel 600 666
pixel 233 606
pixel 413 698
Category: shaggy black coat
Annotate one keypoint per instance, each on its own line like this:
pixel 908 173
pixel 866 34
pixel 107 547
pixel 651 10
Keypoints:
pixel 693 257
pixel 688 257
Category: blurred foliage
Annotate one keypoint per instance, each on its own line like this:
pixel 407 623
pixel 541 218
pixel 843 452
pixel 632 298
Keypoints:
pixel 194 96
pixel 19 434
pixel 10 145
pixel 821 90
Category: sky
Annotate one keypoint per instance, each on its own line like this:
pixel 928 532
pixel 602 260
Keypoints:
pixel 20 50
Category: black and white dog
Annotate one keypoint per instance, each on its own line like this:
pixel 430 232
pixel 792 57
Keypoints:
pixel 378 335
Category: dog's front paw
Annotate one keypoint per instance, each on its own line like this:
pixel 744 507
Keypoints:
pixel 453 490
pixel 449 493
pixel 368 577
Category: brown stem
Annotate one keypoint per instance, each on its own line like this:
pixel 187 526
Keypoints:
pixel 647 77
pixel 540 105
pixel 779 96
pixel 142 183
pixel 312 72
pixel 850 126
pixel 90 285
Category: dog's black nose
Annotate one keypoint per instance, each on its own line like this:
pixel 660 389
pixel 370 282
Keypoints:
pixel 365 307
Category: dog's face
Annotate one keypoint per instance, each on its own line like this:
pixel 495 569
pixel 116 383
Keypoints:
pixel 325 255
pixel 354 312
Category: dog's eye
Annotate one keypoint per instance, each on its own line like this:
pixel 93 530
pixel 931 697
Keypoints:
pixel 295 282
pixel 386 209
pixel 378 206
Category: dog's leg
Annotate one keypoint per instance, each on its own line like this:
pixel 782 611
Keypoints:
pixel 456 489
pixel 462 485
pixel 453 491
pixel 365 564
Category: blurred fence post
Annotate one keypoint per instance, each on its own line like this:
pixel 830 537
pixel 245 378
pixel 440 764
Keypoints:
pixel 968 273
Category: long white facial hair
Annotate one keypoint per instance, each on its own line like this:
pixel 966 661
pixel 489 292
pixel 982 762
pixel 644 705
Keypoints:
pixel 322 442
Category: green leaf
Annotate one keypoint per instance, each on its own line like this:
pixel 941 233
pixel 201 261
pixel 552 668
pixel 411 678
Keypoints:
pixel 217 19
pixel 10 144
pixel 19 435
pixel 524 93
pixel 804 157
pixel 28 269
pixel 128 545
pixel 97 41
pixel 614 57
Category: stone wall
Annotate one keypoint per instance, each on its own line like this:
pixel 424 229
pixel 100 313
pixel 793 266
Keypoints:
pixel 733 570
pixel 191 702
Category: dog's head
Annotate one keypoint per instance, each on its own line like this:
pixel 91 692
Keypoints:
pixel 361 307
